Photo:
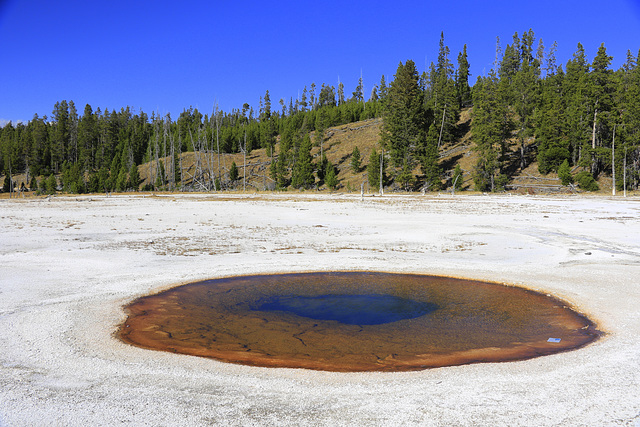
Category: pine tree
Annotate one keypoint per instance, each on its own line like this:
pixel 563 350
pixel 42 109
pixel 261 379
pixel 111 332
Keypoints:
pixel 6 185
pixel 405 178
pixel 327 97
pixel 403 130
pixel 577 104
pixel 356 160
pixel 302 176
pixel 551 125
pixel 303 100
pixel 564 173
pixel 87 138
pixel 104 183
pixel 51 184
pixel 429 161
pixel 462 79
pixel 509 65
pixel 628 104
pixel 121 181
pixel 457 179
pixel 600 90
pixel 268 134
pixel 134 178
pixel 383 91
pixel 322 167
pixel 279 169
pixel 60 142
pixel 312 96
pixel 442 96
pixel 525 88
pixel 331 178
pixel 373 170
pixel 265 113
pixel 72 178
pixel 552 66
pixel 358 94
pixel 280 172
pixel 233 172
pixel 73 133
pixel 489 131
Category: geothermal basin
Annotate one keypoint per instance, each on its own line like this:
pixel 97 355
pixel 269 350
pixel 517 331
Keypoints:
pixel 68 266
pixel 355 321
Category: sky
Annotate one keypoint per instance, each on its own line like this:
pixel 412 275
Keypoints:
pixel 168 56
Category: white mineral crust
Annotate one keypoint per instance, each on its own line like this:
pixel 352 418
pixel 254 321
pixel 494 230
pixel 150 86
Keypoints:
pixel 69 264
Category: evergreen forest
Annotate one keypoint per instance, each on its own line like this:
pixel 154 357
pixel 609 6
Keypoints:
pixel 578 121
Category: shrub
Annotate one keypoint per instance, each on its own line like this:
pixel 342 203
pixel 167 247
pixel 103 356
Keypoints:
pixel 586 182
pixel 51 184
pixel 331 179
pixel 551 159
pixel 6 186
pixel 564 173
pixel 501 182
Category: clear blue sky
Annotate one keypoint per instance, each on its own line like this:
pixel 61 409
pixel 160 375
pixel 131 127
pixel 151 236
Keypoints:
pixel 166 56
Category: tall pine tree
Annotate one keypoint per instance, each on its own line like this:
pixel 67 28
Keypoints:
pixel 404 121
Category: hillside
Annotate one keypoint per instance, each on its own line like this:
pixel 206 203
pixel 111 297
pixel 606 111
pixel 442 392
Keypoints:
pixel 338 145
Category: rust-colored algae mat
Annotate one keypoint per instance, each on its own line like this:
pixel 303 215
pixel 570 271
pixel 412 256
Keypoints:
pixel 355 321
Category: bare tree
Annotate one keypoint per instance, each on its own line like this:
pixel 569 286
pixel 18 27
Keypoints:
pixel 209 159
pixel 154 167
pixel 243 148
pixel 624 173
pixel 170 167
pixel 381 169
pixel 442 125
pixel 217 115
pixel 613 161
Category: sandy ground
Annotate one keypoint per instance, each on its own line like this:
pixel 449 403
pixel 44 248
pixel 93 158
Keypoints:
pixel 68 265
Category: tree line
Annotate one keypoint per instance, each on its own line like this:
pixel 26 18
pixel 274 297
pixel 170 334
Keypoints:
pixel 579 120
pixel 100 151
pixel 528 108
pixel 583 116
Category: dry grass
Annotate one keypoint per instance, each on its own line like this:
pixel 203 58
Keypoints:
pixel 338 145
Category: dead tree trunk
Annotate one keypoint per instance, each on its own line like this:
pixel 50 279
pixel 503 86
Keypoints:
pixel 442 126
pixel 172 172
pixel 209 153
pixel 156 168
pixel 624 173
pixel 217 114
pixel 197 174
pixel 613 161
pixel 522 145
pixel 381 169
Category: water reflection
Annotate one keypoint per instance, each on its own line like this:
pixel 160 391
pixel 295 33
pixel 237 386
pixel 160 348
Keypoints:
pixel 350 309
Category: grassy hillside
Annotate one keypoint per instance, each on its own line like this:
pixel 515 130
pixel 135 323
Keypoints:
pixel 338 145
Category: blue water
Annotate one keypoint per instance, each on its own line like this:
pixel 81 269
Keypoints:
pixel 350 309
